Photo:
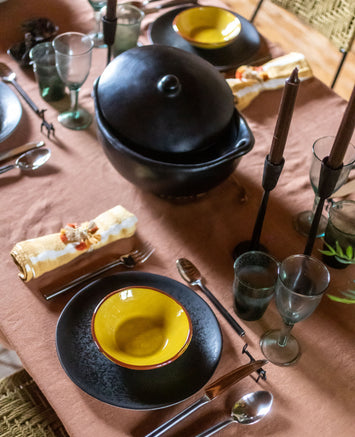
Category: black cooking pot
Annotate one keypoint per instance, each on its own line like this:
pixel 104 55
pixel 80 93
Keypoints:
pixel 167 121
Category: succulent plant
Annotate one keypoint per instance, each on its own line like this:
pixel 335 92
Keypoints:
pixel 347 257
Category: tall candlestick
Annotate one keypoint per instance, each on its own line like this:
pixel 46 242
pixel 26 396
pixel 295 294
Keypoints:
pixel 284 118
pixel 111 9
pixel 343 135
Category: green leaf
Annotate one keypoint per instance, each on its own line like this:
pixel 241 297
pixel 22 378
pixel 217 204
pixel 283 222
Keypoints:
pixel 349 293
pixel 342 260
pixel 349 252
pixel 340 299
pixel 339 250
pixel 327 252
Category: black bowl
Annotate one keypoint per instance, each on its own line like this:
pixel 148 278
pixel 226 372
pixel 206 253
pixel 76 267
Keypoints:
pixel 177 141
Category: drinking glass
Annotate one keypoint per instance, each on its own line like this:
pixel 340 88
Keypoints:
pixel 96 34
pixel 300 286
pixel 73 60
pixel 320 149
pixel 128 28
pixel 255 274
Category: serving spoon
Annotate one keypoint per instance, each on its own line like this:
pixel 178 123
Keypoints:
pixel 30 160
pixel 248 410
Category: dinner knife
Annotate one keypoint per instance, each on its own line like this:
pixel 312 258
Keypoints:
pixel 211 392
pixel 4 156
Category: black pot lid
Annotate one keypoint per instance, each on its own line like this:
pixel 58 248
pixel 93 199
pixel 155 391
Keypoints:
pixel 164 99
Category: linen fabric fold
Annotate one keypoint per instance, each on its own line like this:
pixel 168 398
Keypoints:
pixel 250 81
pixel 37 256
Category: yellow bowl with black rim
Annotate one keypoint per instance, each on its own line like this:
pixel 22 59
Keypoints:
pixel 207 27
pixel 141 328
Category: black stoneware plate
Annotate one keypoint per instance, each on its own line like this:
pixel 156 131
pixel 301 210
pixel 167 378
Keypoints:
pixel 10 111
pixel 239 52
pixel 137 389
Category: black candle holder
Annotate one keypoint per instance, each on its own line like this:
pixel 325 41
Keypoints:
pixel 270 178
pixel 328 179
pixel 109 31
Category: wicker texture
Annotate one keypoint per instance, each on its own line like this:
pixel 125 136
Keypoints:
pixel 24 411
pixel 333 18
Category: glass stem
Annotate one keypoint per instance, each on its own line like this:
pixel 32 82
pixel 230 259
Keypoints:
pixel 284 334
pixel 98 22
pixel 315 204
pixel 74 94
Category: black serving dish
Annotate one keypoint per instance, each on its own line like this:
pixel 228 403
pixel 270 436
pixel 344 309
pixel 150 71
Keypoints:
pixel 167 122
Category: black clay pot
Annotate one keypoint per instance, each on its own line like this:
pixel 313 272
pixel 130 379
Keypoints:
pixel 167 122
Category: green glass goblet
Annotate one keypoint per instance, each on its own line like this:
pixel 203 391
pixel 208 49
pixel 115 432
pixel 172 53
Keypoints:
pixel 73 52
pixel 96 34
pixel 300 286
pixel 320 149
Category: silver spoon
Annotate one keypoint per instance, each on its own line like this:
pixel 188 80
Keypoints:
pixel 191 274
pixel 248 410
pixel 30 160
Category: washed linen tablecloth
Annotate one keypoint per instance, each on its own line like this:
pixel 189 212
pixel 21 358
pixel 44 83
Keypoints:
pixel 314 397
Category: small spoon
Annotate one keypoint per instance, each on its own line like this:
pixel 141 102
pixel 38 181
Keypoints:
pixel 248 410
pixel 30 160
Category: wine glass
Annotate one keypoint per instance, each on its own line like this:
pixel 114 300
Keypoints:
pixel 73 60
pixel 300 286
pixel 96 34
pixel 320 149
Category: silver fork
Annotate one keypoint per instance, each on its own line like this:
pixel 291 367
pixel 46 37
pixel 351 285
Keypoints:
pixel 129 260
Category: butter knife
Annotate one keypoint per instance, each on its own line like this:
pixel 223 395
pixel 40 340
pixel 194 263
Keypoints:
pixel 12 153
pixel 211 392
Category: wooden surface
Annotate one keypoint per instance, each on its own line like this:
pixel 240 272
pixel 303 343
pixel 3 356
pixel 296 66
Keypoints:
pixel 280 26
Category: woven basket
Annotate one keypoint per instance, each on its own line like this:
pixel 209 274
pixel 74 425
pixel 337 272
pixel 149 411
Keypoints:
pixel 333 18
pixel 24 411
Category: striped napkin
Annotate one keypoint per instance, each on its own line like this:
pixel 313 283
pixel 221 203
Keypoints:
pixel 250 81
pixel 37 256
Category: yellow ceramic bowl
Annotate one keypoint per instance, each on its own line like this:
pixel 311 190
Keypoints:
pixel 141 328
pixel 207 27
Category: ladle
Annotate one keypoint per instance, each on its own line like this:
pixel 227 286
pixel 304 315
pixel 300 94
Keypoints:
pixel 30 160
pixel 248 410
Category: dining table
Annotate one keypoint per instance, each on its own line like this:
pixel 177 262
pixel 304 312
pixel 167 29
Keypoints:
pixel 314 397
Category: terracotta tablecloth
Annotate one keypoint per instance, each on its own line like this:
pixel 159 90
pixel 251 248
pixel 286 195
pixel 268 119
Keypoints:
pixel 314 397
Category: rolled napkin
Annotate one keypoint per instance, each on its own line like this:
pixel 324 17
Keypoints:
pixel 36 256
pixel 250 81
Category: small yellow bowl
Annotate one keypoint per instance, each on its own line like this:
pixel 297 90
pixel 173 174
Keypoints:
pixel 207 27
pixel 141 328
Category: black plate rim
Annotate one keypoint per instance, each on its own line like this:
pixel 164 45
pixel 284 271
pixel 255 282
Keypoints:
pixel 142 276
pixel 11 108
pixel 204 53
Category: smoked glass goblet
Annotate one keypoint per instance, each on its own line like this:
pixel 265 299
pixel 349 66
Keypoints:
pixel 73 52
pixel 96 34
pixel 300 286
pixel 320 149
